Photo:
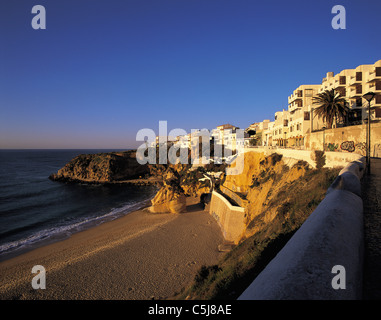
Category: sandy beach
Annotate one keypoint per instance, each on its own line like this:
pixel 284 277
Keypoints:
pixel 139 256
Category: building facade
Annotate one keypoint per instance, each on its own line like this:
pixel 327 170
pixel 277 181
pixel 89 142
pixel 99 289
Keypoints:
pixel 292 125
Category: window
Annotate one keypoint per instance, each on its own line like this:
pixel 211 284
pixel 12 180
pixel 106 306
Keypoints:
pixel 300 93
pixel 306 115
pixel 358 102
pixel 378 71
pixel 342 91
pixel 309 92
pixel 359 89
pixel 358 76
pixel 343 80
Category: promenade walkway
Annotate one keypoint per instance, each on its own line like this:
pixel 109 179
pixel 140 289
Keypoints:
pixel 371 190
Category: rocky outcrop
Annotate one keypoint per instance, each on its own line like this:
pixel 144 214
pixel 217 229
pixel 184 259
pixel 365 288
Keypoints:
pixel 265 184
pixel 170 198
pixel 102 168
pixel 281 195
pixel 176 181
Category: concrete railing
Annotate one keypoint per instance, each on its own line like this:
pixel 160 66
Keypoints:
pixel 331 236
pixel 234 196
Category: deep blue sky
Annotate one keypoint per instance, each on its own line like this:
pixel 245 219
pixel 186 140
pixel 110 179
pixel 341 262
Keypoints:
pixel 102 70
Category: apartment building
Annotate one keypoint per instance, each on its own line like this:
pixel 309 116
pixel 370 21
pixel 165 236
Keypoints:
pixel 280 129
pixel 267 135
pixel 353 84
pixel 291 126
pixel 258 126
pixel 256 131
pixel 183 141
pixel 222 134
pixel 301 119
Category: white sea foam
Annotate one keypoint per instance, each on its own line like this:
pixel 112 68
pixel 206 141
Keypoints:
pixel 64 231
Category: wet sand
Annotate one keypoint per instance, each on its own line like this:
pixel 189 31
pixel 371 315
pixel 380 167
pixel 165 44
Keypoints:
pixel 139 256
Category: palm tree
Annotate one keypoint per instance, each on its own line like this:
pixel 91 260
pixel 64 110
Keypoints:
pixel 331 106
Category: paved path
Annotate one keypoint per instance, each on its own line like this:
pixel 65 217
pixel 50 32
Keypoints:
pixel 371 189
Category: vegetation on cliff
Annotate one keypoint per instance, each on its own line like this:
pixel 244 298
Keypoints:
pixel 281 199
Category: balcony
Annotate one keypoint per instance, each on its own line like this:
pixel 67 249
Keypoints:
pixel 341 82
pixel 342 91
pixel 375 86
pixel 356 103
pixel 355 92
pixel 377 101
pixel 298 95
pixel 295 105
pixel 374 75
pixel 355 80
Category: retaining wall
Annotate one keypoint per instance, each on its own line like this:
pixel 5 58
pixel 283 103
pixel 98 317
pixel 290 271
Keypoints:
pixel 230 218
pixel 331 236
pixel 353 137
pixel 243 203
pixel 333 159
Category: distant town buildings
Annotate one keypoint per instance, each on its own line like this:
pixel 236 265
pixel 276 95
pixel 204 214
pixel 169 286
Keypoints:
pixel 290 127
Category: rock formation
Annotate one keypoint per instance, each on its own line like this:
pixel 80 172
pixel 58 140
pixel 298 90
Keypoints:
pixel 171 197
pixel 178 181
pixel 102 168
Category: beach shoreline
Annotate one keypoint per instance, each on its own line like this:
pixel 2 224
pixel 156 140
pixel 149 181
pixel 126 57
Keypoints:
pixel 138 256
pixel 61 236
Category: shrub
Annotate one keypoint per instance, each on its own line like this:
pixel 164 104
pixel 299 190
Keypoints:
pixel 320 159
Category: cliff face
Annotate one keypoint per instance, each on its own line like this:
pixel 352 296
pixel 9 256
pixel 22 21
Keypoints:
pixel 102 168
pixel 176 181
pixel 179 181
pixel 267 183
pixel 171 197
pixel 281 194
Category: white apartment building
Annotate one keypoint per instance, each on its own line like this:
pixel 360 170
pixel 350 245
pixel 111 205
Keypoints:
pixel 291 126
pixel 280 128
pixel 301 119
pixel 222 132
pixel 267 136
pixel 353 84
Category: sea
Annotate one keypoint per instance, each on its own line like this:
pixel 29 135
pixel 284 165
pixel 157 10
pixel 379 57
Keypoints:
pixel 35 211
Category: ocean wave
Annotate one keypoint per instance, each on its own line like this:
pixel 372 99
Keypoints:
pixel 66 230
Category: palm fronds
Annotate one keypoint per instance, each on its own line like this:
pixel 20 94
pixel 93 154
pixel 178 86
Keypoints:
pixel 331 106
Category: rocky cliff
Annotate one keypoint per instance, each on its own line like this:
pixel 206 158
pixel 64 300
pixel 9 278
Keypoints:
pixel 171 197
pixel 179 182
pixel 103 168
pixel 281 194
pixel 176 181
pixel 267 184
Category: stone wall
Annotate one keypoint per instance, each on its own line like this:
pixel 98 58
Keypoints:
pixel 351 139
pixel 234 196
pixel 291 156
pixel 230 218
